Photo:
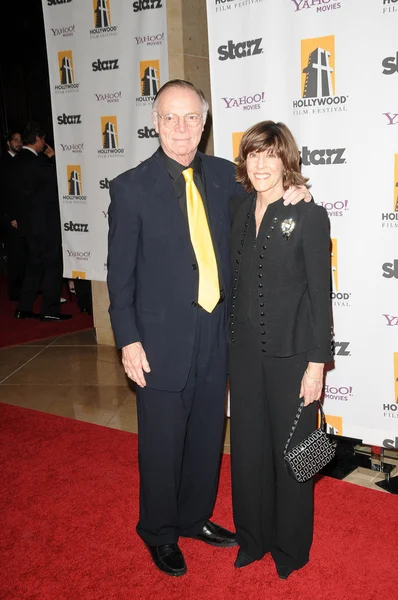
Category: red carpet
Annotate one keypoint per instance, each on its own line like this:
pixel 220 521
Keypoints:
pixel 14 331
pixel 69 495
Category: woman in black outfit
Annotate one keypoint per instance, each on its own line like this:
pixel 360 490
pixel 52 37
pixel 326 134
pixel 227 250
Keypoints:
pixel 280 339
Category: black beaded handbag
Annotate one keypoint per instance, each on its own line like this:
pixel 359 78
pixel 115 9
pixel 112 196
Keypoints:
pixel 312 454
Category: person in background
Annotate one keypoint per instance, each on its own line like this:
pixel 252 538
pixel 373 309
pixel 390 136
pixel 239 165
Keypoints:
pixel 280 340
pixel 40 219
pixel 14 238
pixel 169 282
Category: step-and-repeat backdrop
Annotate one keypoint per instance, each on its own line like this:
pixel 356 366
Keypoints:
pixel 329 70
pixel 106 59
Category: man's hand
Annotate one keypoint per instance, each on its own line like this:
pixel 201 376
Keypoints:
pixel 49 151
pixel 14 224
pixel 295 194
pixel 135 363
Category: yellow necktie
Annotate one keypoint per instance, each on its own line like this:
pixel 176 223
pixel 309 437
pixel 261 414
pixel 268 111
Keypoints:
pixel 209 287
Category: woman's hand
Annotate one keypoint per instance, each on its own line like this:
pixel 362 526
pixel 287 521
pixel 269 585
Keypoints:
pixel 312 383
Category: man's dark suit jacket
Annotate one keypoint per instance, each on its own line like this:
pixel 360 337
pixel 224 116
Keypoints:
pixel 296 277
pixel 35 180
pixel 152 272
pixel 7 195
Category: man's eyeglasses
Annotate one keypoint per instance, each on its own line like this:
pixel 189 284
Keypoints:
pixel 171 120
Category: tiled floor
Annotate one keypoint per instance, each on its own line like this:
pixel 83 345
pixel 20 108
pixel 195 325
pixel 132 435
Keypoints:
pixel 73 377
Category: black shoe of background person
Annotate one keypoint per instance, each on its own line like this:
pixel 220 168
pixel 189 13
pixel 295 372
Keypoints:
pixel 168 558
pixel 284 572
pixel 243 559
pixel 52 318
pixel 25 314
pixel 216 536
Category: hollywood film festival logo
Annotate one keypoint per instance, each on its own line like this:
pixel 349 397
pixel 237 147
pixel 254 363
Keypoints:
pixel 74 185
pixel 228 5
pixel 110 138
pixel 149 82
pixel 236 139
pixel 391 410
pixel 245 102
pixel 389 6
pixel 390 218
pixel 319 5
pixel 318 76
pixel 66 71
pixel 341 299
pixel 102 20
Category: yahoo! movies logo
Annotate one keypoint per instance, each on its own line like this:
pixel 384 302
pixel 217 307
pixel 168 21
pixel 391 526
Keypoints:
pixel 74 185
pixel 320 5
pixel 245 102
pixel 340 299
pixel 390 219
pixel 102 20
pixel 335 209
pixel 76 148
pixel 64 31
pixel 110 138
pixel 342 393
pixel 391 320
pixel 109 97
pixel 66 71
pixel 149 81
pixel 150 40
pixel 318 76
pixel 78 255
pixel 392 118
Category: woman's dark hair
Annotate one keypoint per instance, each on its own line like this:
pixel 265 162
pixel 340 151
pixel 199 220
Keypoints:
pixel 277 139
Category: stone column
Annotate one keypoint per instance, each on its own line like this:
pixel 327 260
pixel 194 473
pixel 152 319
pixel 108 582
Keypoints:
pixel 188 59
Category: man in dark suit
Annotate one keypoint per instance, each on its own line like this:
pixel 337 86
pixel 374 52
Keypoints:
pixel 168 280
pixel 14 240
pixel 37 194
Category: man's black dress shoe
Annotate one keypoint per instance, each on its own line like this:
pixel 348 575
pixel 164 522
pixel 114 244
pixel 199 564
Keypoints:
pixel 216 536
pixel 283 571
pixel 243 559
pixel 168 558
pixel 25 314
pixel 58 317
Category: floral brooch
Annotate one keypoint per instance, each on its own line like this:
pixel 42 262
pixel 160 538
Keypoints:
pixel 287 227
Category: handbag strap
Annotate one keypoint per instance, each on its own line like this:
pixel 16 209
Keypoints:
pixel 296 420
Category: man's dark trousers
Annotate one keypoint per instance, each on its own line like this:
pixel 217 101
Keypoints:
pixel 180 440
pixel 44 269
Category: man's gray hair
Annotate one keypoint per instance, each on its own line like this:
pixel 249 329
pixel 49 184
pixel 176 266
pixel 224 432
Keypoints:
pixel 185 85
